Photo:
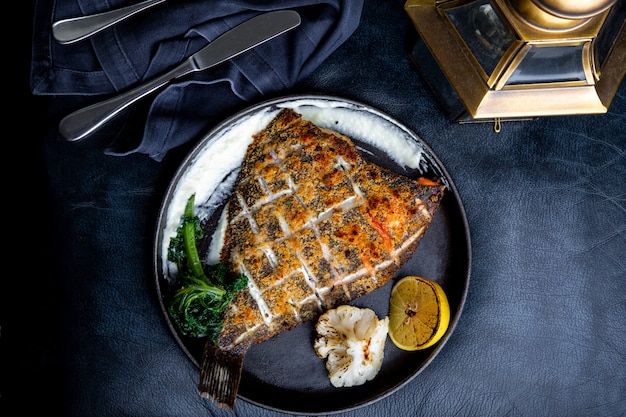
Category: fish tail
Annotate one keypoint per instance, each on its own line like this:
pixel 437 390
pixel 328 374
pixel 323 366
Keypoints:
pixel 220 374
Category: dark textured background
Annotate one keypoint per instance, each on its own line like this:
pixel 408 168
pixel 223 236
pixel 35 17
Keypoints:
pixel 30 341
pixel 542 333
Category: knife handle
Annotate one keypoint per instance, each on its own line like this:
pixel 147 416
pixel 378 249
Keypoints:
pixel 75 29
pixel 81 123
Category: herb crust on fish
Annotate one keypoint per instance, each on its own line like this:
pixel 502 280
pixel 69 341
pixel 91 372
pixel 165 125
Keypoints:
pixel 313 225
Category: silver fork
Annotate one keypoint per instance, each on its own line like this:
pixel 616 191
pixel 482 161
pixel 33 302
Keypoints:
pixel 75 29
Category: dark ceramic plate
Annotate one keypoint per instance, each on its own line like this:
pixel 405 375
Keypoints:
pixel 284 373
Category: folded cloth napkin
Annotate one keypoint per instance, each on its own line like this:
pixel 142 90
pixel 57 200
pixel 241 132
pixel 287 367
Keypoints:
pixel 155 40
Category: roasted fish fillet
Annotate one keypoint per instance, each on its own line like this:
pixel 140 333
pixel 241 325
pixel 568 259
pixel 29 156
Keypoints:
pixel 313 225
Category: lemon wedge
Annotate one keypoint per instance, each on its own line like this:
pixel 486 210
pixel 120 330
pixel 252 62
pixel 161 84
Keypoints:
pixel 419 313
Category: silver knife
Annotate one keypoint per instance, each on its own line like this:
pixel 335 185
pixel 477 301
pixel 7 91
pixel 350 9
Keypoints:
pixel 237 40
pixel 76 29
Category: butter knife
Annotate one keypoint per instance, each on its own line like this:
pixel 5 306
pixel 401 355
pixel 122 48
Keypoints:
pixel 76 29
pixel 237 40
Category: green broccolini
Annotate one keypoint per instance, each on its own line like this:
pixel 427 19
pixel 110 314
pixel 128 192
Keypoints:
pixel 203 290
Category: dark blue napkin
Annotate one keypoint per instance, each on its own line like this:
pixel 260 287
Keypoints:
pixel 154 41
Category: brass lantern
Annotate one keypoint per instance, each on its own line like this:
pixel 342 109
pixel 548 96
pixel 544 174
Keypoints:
pixel 509 59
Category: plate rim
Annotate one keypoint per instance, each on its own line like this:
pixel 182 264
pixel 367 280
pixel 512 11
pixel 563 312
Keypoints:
pixel 274 102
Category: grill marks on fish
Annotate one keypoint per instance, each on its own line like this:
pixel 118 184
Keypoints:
pixel 313 225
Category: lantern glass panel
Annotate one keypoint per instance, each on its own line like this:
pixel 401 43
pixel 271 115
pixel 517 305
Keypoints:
pixel 483 31
pixel 550 64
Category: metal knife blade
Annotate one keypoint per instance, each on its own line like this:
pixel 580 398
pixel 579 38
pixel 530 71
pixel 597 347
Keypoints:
pixel 237 40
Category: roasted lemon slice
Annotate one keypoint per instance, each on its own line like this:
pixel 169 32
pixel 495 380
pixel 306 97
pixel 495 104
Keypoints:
pixel 419 313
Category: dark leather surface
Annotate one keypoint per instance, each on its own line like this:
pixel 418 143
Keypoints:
pixel 543 331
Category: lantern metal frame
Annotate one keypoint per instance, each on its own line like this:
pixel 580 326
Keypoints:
pixel 486 60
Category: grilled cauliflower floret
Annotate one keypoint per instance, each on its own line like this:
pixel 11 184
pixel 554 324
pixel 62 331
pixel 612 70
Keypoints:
pixel 353 341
